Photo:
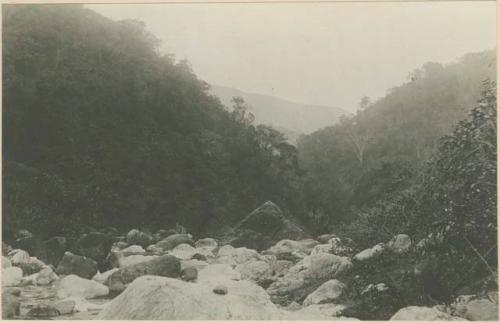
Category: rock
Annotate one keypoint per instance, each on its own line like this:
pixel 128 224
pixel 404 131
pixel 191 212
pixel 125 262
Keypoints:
pixel 218 273
pixel 136 237
pixel 189 274
pixel 102 277
pixel 43 311
pixel 167 266
pixel 322 248
pixel 183 251
pixel 329 292
pixel 174 240
pixel 198 264
pixel 132 260
pixel 154 249
pixel 33 265
pixel 10 304
pixel 77 265
pixel 265 226
pixel 325 238
pixel 65 307
pixel 74 286
pixel 160 298
pixel 18 256
pixel 54 249
pixel 292 250
pixel 421 313
pixel 476 309
pixel 96 246
pixel 120 245
pixel 199 256
pixel 6 262
pixel 281 267
pixel 401 243
pixel 82 305
pixel 45 277
pixel 207 243
pixel 257 271
pixel 229 255
pixel 324 312
pixel 220 290
pixel 133 250
pixel 307 275
pixel 11 276
pixel 369 253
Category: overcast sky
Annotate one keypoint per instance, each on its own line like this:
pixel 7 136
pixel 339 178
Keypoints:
pixel 317 53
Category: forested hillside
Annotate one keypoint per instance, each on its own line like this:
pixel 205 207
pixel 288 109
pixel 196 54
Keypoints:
pixel 101 129
pixel 383 147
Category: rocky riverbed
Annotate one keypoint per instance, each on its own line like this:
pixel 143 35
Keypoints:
pixel 166 276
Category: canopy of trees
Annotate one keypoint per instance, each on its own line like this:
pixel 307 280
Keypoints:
pixel 101 129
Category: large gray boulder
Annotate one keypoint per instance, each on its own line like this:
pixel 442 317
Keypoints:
pixel 167 266
pixel 77 265
pixel 95 245
pixel 422 313
pixel 306 276
pixel 329 292
pixel 292 250
pixel 174 240
pixel 74 286
pixel 160 298
pixel 475 308
pixel 263 227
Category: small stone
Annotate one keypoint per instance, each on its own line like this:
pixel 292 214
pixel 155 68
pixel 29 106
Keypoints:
pixel 220 290
pixel 65 307
pixel 189 274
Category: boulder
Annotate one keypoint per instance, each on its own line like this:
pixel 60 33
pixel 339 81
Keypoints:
pixel 306 276
pixel 10 304
pixel 189 274
pixel 323 312
pixel 65 307
pixel 329 292
pixel 132 260
pixel 369 253
pixel 6 262
pixel 401 243
pixel 422 313
pixel 11 276
pixel 325 238
pixel 167 266
pixel 174 240
pixel 43 311
pixel 45 277
pixel 263 227
pixel 473 308
pixel 77 265
pixel 207 243
pixel 291 250
pixel 18 256
pixel 198 264
pixel 54 249
pixel 74 286
pixel 229 255
pixel 217 273
pixel 160 298
pixel 257 271
pixel 281 267
pixel 136 237
pixel 95 245
pixel 33 265
pixel 183 251
pixel 101 277
pixel 322 248
pixel 133 250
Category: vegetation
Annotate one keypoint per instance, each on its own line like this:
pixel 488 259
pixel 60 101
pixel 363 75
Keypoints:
pixel 100 129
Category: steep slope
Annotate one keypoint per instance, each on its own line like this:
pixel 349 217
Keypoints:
pixel 101 129
pixel 376 151
pixel 289 117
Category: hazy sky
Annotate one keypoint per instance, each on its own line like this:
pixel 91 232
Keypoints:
pixel 318 53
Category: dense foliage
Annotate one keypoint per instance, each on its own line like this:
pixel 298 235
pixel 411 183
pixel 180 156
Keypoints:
pixel 101 129
pixel 380 150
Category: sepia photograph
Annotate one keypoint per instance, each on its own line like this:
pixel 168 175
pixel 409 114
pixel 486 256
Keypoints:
pixel 272 160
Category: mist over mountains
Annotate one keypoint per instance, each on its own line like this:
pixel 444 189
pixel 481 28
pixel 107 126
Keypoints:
pixel 291 118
